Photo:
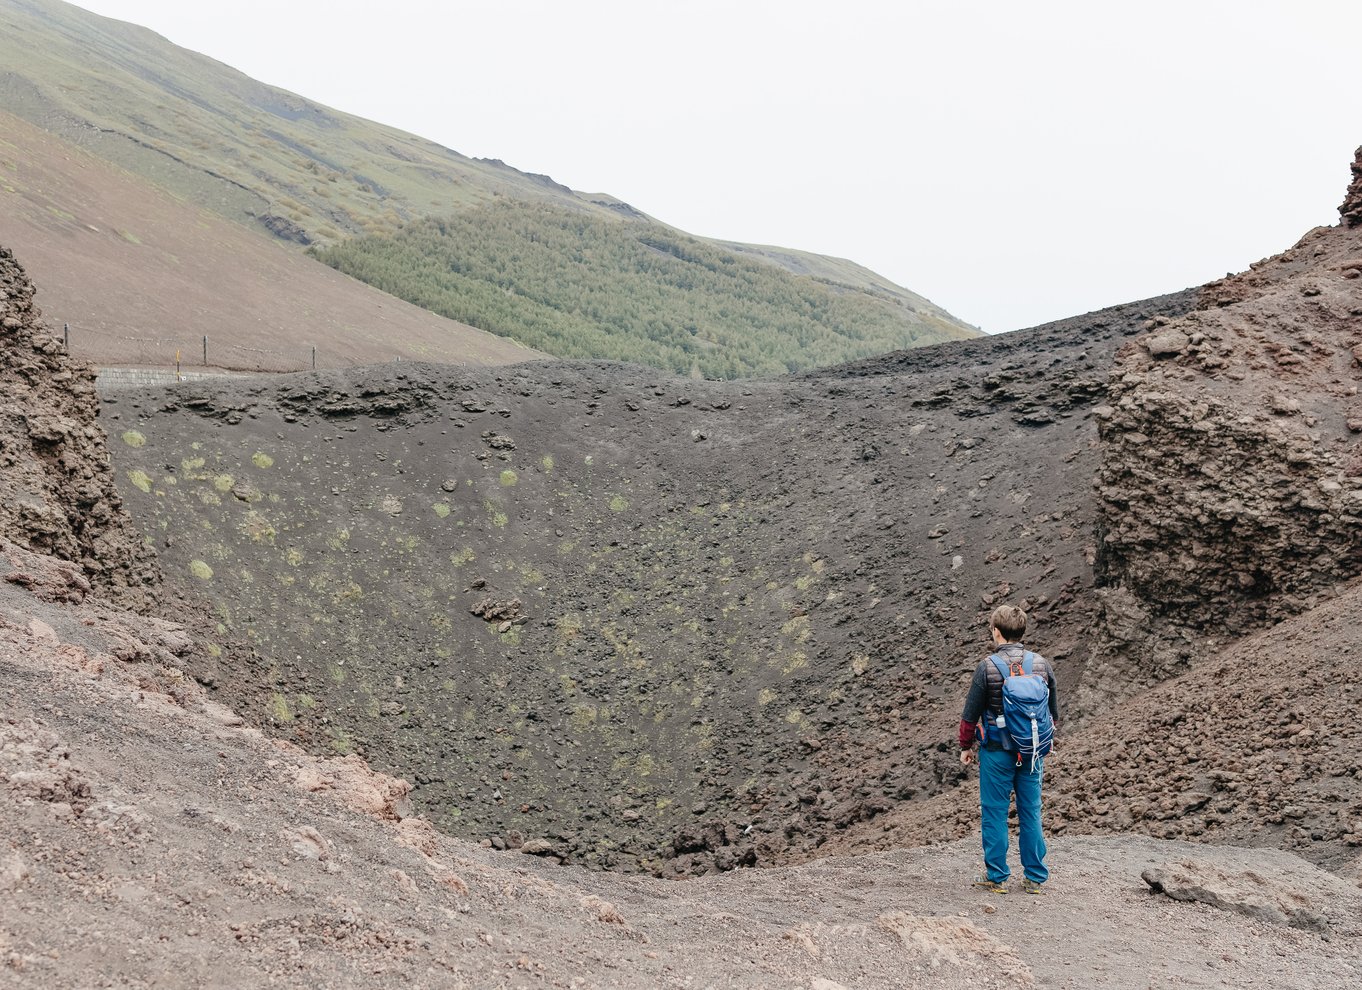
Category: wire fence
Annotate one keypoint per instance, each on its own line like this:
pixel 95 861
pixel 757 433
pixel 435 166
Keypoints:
pixel 189 352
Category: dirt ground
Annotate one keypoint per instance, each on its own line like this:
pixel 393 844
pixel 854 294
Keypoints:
pixel 152 840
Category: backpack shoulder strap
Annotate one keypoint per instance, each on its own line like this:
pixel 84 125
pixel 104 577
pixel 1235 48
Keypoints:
pixel 1001 664
pixel 1028 662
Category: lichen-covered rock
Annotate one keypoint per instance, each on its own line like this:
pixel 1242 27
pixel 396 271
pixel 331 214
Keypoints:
pixel 57 492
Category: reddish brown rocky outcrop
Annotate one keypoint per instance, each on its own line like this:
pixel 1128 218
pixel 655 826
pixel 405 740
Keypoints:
pixel 1231 481
pixel 1230 487
pixel 1351 210
pixel 57 493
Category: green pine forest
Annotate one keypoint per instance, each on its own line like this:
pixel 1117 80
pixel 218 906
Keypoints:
pixel 580 286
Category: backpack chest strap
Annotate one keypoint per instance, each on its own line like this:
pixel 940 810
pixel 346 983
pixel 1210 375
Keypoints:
pixel 1027 664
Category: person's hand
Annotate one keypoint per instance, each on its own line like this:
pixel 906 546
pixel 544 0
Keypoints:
pixel 966 757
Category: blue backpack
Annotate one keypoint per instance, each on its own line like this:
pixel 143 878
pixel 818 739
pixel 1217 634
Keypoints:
pixel 1028 728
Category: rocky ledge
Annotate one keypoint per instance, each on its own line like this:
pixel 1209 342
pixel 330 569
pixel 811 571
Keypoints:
pixel 57 493
pixel 1230 489
pixel 1351 210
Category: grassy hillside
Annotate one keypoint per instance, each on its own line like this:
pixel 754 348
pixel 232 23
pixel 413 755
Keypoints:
pixel 310 175
pixel 222 139
pixel 580 287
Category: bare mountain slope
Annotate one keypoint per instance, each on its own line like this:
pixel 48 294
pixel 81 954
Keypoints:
pixel 280 164
pixel 141 274
pixel 215 136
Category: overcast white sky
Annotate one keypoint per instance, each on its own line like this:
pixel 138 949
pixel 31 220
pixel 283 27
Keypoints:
pixel 1016 162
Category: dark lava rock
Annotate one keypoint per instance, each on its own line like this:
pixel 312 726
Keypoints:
pixel 1351 210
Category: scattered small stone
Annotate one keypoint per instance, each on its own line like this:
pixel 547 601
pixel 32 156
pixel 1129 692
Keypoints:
pixel 13 872
pixel 503 610
pixel 1167 344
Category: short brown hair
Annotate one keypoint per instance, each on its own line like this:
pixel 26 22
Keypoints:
pixel 1010 621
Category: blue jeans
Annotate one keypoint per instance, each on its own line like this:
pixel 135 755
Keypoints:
pixel 999 778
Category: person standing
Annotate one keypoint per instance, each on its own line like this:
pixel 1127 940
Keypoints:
pixel 1003 770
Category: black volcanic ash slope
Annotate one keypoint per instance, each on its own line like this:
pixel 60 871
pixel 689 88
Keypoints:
pixel 630 614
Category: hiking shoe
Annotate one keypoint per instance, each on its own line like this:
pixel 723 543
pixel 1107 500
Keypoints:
pixel 984 883
pixel 1031 887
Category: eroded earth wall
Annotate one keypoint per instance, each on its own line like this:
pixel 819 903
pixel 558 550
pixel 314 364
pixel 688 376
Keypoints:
pixel 1230 486
pixel 57 493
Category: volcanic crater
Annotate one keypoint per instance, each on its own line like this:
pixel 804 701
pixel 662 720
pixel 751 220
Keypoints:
pixel 638 624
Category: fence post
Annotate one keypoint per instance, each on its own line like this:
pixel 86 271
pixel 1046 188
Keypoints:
pixel 205 350
pixel 66 337
pixel 314 357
